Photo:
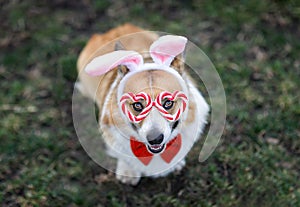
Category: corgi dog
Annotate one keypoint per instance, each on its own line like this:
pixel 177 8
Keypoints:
pixel 150 111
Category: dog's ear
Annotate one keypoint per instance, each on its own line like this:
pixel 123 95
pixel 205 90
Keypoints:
pixel 119 46
pixel 166 48
pixel 103 64
pixel 178 63
pixel 121 68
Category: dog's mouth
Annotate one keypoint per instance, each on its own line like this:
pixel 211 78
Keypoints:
pixel 156 148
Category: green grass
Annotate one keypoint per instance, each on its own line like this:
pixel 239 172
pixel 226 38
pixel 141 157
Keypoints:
pixel 255 48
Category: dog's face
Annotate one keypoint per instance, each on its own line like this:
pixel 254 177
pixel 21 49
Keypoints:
pixel 153 102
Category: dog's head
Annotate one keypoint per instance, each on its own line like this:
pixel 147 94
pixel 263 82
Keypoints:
pixel 154 102
pixel 153 97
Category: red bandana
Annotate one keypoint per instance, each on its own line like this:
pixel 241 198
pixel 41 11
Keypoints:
pixel 140 150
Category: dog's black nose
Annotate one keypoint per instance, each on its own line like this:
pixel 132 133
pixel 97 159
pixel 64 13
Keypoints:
pixel 157 140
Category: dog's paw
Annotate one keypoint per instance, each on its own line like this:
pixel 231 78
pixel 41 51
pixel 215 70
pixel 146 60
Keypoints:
pixel 179 166
pixel 126 174
pixel 128 180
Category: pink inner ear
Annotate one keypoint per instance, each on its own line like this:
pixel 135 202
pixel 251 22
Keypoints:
pixel 166 48
pixel 102 64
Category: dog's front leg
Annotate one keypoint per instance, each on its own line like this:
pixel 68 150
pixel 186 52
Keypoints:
pixel 126 174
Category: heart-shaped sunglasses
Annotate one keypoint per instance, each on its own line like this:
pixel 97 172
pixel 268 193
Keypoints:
pixel 163 102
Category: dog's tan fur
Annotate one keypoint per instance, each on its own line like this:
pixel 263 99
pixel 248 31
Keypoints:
pixel 100 44
pixel 153 82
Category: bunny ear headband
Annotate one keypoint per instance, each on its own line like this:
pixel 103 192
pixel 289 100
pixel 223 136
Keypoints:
pixel 163 51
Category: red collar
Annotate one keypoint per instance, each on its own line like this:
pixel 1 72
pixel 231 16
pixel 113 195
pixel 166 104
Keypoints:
pixel 140 150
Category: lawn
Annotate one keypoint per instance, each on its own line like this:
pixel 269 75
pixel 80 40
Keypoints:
pixel 255 48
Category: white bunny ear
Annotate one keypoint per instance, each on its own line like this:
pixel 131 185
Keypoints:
pixel 102 64
pixel 166 48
